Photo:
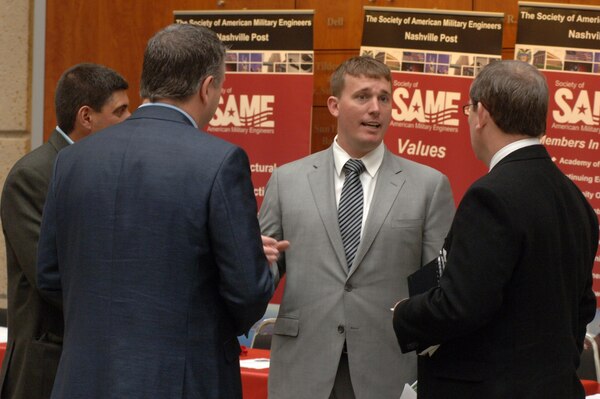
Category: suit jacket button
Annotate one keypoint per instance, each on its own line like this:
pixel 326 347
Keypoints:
pixel 341 329
pixel 348 287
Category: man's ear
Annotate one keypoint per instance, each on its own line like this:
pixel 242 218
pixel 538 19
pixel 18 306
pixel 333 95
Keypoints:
pixel 205 87
pixel 83 117
pixel 333 105
pixel 483 116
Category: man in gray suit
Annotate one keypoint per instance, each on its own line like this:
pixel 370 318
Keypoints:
pixel 333 337
pixel 88 98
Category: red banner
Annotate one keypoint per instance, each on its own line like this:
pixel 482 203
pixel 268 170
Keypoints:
pixel 428 126
pixel 564 42
pixel 266 102
pixel 261 115
pixel 433 55
pixel 573 133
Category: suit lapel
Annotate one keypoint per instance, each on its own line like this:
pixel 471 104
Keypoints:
pixel 320 180
pixel 389 183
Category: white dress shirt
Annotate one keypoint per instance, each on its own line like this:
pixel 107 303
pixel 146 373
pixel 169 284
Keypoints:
pixel 512 147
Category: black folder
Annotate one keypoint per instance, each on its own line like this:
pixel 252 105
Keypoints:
pixel 426 277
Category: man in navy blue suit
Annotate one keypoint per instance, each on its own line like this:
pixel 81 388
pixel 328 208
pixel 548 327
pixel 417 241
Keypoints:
pixel 150 237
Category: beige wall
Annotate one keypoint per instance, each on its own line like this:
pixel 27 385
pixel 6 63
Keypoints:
pixel 15 102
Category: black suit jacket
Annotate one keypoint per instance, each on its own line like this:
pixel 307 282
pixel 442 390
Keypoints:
pixel 151 237
pixel 513 304
pixel 35 328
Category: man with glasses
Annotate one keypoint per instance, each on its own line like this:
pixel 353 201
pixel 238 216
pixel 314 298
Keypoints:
pixel 511 309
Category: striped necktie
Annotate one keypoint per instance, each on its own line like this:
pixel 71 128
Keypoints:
pixel 350 210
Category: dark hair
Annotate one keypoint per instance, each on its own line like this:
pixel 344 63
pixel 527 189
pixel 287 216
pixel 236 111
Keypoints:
pixel 515 94
pixel 178 59
pixel 357 66
pixel 84 84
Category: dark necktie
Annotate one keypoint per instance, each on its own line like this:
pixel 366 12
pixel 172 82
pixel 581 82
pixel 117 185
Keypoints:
pixel 350 210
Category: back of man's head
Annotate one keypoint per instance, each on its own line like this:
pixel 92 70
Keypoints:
pixel 516 96
pixel 178 59
pixel 358 66
pixel 81 85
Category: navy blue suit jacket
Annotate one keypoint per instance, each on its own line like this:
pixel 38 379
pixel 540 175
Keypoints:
pixel 516 296
pixel 150 236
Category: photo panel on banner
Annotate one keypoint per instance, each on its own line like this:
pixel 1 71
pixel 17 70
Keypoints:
pixel 434 56
pixel 563 41
pixel 266 101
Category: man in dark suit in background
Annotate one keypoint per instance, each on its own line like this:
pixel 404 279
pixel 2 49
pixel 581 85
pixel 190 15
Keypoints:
pixel 150 235
pixel 512 306
pixel 88 98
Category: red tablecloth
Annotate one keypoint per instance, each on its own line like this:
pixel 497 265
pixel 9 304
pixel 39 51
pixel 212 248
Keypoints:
pixel 591 387
pixel 2 351
pixel 254 382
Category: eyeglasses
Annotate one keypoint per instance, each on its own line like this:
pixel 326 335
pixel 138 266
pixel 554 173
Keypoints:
pixel 467 108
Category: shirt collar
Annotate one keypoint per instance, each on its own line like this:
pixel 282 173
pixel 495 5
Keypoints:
pixel 512 147
pixel 65 136
pixel 172 107
pixel 372 160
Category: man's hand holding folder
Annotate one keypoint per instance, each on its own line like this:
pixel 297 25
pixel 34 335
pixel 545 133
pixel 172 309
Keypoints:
pixel 421 281
pixel 428 276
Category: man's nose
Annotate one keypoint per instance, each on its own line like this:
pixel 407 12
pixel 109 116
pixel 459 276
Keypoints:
pixel 374 106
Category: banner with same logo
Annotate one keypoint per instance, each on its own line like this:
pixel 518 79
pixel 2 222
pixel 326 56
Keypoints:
pixel 563 41
pixel 266 101
pixel 433 55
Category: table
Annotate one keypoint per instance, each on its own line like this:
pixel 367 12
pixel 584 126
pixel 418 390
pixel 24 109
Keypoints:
pixel 3 339
pixel 590 387
pixel 254 382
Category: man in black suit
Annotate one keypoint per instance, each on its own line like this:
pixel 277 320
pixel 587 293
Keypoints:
pixel 88 98
pixel 151 237
pixel 512 305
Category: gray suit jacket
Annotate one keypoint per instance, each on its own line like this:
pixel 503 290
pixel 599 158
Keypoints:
pixel 323 304
pixel 35 327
